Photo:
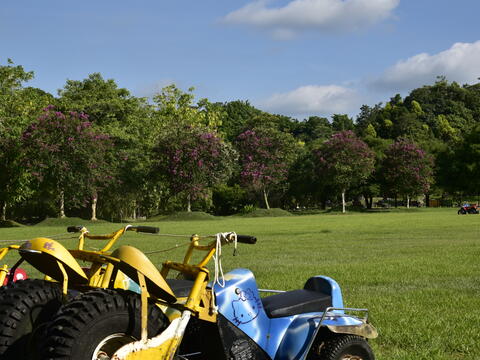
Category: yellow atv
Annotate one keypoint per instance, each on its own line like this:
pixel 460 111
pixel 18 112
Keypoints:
pixel 27 306
pixel 184 313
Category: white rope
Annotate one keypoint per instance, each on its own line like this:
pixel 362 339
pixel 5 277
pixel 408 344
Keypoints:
pixel 219 279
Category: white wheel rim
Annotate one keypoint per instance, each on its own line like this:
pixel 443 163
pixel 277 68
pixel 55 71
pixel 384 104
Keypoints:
pixel 108 346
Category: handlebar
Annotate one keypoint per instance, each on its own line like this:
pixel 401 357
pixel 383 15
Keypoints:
pixel 74 229
pixel 246 239
pixel 211 249
pixel 140 228
pixel 113 237
pixel 144 229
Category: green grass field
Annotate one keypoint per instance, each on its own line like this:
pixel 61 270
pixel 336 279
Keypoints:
pixel 417 271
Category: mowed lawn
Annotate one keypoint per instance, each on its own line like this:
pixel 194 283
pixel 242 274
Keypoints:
pixel 417 271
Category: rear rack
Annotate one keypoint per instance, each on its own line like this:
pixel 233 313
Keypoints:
pixel 329 314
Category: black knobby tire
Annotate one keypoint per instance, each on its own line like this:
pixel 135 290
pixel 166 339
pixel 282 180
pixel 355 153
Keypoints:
pixel 102 316
pixel 343 347
pixel 25 308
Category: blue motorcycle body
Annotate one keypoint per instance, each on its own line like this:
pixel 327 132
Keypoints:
pixel 278 325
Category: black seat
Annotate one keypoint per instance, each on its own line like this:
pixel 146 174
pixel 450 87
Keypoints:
pixel 314 297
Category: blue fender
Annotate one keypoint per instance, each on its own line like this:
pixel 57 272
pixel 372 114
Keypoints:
pixel 299 336
pixel 239 302
pixel 281 338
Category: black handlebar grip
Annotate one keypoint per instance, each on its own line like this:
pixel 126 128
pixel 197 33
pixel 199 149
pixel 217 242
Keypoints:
pixel 246 239
pixel 74 229
pixel 146 229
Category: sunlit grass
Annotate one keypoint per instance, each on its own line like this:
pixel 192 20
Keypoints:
pixel 417 271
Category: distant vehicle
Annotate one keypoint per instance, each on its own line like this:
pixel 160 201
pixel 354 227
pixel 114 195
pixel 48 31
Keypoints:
pixel 468 209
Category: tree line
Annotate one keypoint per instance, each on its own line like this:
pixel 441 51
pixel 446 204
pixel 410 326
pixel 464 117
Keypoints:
pixel 95 150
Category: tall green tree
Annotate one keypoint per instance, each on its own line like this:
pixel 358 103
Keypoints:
pixel 459 166
pixel 373 185
pixel 175 105
pixel 313 129
pixel 13 177
pixel 18 107
pixel 105 103
pixel 341 122
pixel 448 109
pixel 238 114
pixel 368 119
pixel 132 127
pixel 305 189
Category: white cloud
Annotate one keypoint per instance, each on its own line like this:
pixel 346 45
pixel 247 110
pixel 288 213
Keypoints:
pixel 460 63
pixel 313 100
pixel 322 15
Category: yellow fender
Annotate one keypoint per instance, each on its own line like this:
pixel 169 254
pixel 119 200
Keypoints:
pixel 45 254
pixel 132 261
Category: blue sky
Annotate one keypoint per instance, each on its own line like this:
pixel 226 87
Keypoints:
pixel 298 58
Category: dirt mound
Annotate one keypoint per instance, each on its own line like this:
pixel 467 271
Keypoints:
pixel 67 221
pixel 184 216
pixel 275 212
pixel 9 224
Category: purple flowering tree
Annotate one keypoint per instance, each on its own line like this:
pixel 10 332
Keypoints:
pixel 266 155
pixel 192 159
pixel 407 169
pixel 344 161
pixel 67 157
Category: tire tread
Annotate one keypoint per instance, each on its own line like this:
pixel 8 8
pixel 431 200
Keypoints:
pixel 67 325
pixel 17 301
